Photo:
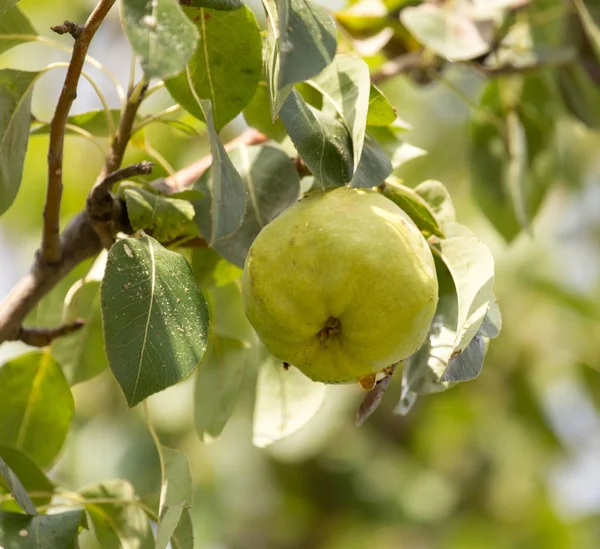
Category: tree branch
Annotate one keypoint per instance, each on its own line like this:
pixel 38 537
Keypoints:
pixel 51 250
pixel 79 241
pixel 40 337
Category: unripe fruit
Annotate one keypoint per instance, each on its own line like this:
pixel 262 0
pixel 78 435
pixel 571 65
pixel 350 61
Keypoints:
pixel 341 285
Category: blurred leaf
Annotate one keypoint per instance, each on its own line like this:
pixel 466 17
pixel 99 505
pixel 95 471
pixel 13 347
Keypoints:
pixel 224 202
pixel 39 532
pixel 176 494
pixel 161 36
pixel 91 121
pixel 346 84
pixel 448 33
pixel 258 115
pixel 397 150
pixel 13 22
pixel 323 143
pixel 381 112
pixel 517 167
pixel 6 5
pixel 273 185
pixel 580 94
pixel 226 66
pixel 227 313
pixel 81 354
pixel 36 406
pixel 285 401
pixel 374 166
pixel 589 13
pixel 162 217
pixel 218 384
pixel 27 477
pixel 511 160
pixel 414 205
pixel 120 524
pixel 214 4
pixel 438 199
pixel 155 318
pixel 212 270
pixel 15 116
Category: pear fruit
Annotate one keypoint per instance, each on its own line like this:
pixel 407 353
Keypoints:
pixel 341 285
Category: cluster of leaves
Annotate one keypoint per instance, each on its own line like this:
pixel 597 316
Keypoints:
pixel 146 316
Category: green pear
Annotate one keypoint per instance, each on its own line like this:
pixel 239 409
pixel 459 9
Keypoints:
pixel 341 285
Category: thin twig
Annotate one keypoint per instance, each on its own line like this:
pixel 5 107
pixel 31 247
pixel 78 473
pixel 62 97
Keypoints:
pixel 68 27
pixel 40 337
pixel 186 177
pixel 50 251
pixel 102 208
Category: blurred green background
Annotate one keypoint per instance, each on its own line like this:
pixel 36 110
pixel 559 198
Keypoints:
pixel 510 460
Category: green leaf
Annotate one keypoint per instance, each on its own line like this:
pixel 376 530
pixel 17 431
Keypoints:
pixel 218 384
pixel 471 265
pixel 39 532
pixel 225 68
pixel 23 476
pixel 214 4
pixel 438 199
pixel 323 142
pixel 301 42
pixel 222 209
pixel 13 22
pixel 81 354
pixel 176 494
pixel 184 533
pixel 374 166
pixel 381 112
pixel 589 22
pixel 36 406
pixel 93 122
pixel 258 115
pixel 307 40
pixel 285 401
pixel 15 115
pixel 511 159
pixel 10 480
pixel 120 524
pixel 6 5
pixel 160 34
pixel 455 348
pixel 154 316
pixel 448 33
pixel 273 185
pixel 162 217
pixel 467 364
pixel 580 94
pixel 346 84
pixel 492 321
pixel 414 205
